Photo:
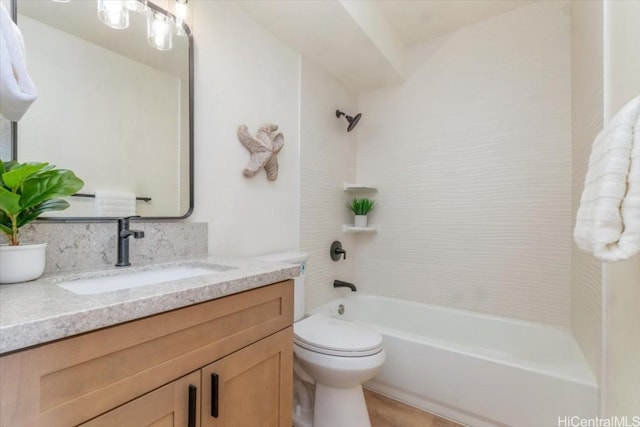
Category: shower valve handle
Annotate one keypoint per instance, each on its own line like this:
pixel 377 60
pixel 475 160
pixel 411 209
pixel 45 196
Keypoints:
pixel 337 252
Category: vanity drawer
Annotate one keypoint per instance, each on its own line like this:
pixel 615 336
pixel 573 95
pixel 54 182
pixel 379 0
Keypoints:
pixel 70 381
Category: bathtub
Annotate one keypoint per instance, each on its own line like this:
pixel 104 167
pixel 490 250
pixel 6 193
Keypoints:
pixel 479 370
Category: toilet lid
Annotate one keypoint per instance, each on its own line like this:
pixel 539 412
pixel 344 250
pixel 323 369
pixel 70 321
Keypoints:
pixel 329 335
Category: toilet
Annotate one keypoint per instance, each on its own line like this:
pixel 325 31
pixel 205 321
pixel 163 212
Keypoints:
pixel 332 358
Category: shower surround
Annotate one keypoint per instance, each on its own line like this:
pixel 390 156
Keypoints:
pixel 474 200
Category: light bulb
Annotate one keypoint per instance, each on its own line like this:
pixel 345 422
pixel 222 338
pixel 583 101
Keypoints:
pixel 61 1
pixel 113 13
pixel 181 9
pixel 159 31
pixel 137 5
pixel 181 13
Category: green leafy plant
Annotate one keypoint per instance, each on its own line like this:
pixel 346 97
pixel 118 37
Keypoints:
pixel 361 206
pixel 27 190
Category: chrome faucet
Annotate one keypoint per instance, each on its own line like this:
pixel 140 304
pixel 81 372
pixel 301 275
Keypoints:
pixel 123 240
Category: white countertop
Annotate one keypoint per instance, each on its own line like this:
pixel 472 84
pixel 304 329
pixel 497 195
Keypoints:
pixel 40 311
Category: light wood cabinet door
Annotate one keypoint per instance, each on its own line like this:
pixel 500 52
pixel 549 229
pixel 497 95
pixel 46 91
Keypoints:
pixel 251 387
pixel 176 404
pixel 67 382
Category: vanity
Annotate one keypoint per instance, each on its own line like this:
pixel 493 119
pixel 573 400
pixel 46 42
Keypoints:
pixel 210 350
pixel 135 346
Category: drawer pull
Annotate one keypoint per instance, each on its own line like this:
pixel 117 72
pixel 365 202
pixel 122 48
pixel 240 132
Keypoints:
pixel 193 396
pixel 214 395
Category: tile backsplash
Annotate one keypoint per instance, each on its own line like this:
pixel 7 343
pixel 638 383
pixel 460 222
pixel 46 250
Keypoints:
pixel 72 246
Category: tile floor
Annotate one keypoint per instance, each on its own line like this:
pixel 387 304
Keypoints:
pixel 385 412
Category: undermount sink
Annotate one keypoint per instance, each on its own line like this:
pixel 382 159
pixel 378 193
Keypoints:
pixel 102 284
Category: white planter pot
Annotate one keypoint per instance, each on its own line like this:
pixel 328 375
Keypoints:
pixel 21 263
pixel 360 220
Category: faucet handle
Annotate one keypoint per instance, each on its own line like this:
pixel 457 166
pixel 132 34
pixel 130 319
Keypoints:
pixel 336 251
pixel 125 220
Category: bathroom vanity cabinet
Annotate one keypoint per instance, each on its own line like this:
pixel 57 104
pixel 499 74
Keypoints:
pixel 219 363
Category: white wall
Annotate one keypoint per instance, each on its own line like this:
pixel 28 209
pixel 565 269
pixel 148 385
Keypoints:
pixel 327 160
pixel 605 297
pixel 473 161
pixel 622 279
pixel 243 76
pixel 5 138
pixel 587 120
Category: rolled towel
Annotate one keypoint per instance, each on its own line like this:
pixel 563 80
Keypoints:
pixel 17 91
pixel 608 219
pixel 114 203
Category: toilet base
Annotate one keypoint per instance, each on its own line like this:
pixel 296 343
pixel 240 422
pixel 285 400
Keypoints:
pixel 303 392
pixel 302 419
pixel 340 407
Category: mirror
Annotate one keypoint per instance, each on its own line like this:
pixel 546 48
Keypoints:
pixel 110 107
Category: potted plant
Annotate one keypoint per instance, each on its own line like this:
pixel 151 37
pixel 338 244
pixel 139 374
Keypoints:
pixel 27 190
pixel 360 209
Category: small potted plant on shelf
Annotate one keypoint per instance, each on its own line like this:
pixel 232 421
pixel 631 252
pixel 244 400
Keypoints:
pixel 360 209
pixel 27 190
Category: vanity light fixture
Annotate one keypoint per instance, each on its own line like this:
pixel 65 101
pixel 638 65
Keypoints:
pixel 113 13
pixel 159 31
pixel 160 25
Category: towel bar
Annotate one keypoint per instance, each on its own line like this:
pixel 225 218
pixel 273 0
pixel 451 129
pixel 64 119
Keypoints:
pixel 144 199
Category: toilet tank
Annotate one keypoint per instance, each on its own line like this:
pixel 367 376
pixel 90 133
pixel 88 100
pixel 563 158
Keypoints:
pixel 293 257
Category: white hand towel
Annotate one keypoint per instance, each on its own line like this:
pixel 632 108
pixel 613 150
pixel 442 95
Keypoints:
pixel 114 203
pixel 608 220
pixel 17 91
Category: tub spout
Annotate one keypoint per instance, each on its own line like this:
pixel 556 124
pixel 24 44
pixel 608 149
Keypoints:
pixel 341 284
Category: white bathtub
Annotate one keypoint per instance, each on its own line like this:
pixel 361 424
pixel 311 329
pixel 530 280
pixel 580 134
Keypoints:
pixel 476 369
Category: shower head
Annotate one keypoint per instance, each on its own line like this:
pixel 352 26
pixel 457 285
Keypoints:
pixel 353 121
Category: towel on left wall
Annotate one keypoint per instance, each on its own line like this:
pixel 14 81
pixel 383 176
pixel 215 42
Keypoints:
pixel 17 91
pixel 114 203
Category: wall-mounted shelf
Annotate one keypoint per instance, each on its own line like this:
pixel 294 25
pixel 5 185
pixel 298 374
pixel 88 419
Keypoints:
pixel 356 188
pixel 349 229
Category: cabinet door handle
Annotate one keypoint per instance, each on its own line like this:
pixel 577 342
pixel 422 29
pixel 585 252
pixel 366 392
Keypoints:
pixel 193 397
pixel 214 395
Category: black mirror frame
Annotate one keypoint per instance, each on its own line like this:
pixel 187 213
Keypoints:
pixel 14 135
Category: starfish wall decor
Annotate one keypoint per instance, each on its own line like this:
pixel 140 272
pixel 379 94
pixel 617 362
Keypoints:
pixel 264 148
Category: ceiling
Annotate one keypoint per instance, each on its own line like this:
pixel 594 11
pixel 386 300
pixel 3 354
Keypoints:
pixel 420 20
pixel 362 42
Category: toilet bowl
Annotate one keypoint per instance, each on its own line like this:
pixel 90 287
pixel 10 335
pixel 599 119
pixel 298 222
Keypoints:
pixel 339 356
pixel 333 357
